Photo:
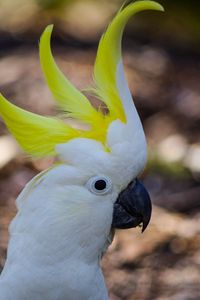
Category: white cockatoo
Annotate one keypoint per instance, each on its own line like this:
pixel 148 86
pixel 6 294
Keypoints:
pixel 66 214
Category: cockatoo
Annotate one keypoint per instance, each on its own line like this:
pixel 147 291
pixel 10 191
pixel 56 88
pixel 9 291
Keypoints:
pixel 67 214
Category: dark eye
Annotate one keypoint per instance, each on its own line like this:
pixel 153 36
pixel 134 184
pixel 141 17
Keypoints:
pixel 99 185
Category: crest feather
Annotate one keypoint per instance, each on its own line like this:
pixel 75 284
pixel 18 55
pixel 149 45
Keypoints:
pixel 109 57
pixel 37 135
pixel 72 101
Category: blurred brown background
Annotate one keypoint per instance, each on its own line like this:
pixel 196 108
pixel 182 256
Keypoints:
pixel 162 59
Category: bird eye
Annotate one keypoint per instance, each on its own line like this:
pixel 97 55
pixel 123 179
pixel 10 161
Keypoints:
pixel 99 185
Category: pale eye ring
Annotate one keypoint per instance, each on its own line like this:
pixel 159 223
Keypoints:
pixel 99 185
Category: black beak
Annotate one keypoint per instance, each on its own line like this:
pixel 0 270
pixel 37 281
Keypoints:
pixel 132 208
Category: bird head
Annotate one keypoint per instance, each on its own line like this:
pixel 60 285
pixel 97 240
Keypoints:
pixel 94 187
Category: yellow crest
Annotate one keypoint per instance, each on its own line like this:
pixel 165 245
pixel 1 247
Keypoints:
pixel 38 135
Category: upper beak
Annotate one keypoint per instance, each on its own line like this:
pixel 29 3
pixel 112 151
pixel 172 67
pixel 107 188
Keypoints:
pixel 132 208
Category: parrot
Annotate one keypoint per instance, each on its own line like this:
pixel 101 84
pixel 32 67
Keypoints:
pixel 67 215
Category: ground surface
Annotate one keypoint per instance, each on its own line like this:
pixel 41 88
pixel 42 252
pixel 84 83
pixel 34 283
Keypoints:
pixel 164 262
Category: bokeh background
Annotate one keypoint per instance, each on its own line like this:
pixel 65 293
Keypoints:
pixel 162 61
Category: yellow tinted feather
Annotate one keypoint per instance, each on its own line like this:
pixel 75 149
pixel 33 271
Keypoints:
pixel 72 101
pixel 109 56
pixel 37 135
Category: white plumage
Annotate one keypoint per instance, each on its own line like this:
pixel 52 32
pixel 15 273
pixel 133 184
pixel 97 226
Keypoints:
pixel 66 215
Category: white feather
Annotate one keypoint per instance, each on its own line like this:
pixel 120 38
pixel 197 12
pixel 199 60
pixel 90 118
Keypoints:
pixel 57 239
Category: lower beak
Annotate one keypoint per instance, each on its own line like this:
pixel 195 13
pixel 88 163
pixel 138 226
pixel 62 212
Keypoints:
pixel 132 208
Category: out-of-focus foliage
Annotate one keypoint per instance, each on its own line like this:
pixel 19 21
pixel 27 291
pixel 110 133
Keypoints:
pixel 180 23
pixel 53 4
pixel 81 19
pixel 85 19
